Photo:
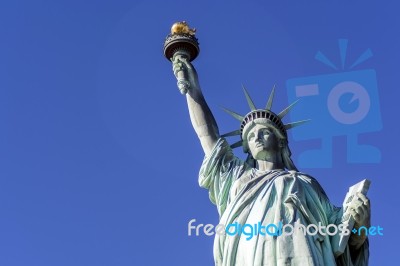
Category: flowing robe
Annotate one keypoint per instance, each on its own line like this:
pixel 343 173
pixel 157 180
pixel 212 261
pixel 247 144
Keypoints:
pixel 246 195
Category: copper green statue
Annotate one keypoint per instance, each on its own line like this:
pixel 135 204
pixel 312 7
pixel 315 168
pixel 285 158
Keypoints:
pixel 267 188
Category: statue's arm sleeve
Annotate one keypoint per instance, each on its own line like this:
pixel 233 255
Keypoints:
pixel 202 119
pixel 218 172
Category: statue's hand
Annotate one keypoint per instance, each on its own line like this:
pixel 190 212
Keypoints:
pixel 185 73
pixel 360 210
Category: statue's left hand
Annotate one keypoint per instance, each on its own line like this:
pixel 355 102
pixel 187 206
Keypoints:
pixel 360 209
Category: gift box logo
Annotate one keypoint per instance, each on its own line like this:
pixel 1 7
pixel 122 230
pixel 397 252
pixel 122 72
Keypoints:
pixel 338 104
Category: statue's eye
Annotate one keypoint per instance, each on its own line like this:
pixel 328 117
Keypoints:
pixel 266 132
pixel 251 136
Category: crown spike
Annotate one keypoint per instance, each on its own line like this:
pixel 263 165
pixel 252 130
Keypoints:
pixel 235 115
pixel 237 144
pixel 287 109
pixel 232 133
pixel 296 124
pixel 270 99
pixel 249 100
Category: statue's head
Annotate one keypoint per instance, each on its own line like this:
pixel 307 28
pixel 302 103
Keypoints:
pixel 262 142
pixel 262 138
pixel 263 134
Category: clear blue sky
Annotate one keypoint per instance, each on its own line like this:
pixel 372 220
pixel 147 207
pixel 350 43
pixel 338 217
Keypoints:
pixel 98 160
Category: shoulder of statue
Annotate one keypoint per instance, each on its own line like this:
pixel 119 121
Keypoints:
pixel 299 174
pixel 311 182
pixel 304 177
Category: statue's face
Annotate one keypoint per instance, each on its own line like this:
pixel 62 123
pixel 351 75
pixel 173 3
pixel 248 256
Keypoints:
pixel 262 142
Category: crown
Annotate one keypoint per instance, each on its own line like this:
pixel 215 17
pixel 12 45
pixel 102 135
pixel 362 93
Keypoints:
pixel 265 116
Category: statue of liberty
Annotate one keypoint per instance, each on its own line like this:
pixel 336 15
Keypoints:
pixel 267 188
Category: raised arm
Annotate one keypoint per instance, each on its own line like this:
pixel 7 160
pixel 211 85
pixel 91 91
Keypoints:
pixel 202 119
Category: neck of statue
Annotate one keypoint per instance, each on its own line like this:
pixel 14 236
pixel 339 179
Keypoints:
pixel 270 164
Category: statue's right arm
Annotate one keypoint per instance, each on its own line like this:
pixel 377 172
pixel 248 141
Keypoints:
pixel 201 117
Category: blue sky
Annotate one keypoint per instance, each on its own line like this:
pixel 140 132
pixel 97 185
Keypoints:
pixel 98 160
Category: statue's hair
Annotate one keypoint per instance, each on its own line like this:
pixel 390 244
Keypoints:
pixel 287 160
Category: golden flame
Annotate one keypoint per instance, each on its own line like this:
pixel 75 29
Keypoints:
pixel 182 28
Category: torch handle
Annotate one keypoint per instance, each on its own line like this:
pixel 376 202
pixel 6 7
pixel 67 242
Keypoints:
pixel 182 83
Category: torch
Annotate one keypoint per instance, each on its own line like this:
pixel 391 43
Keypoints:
pixel 181 42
